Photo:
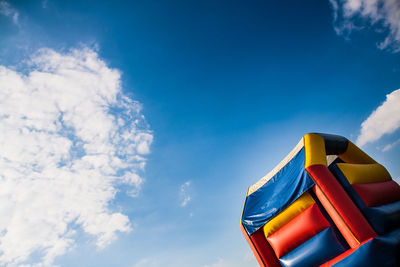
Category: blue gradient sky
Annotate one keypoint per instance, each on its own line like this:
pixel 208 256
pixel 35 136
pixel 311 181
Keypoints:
pixel 228 88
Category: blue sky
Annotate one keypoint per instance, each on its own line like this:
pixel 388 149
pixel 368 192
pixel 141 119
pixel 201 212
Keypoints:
pixel 220 92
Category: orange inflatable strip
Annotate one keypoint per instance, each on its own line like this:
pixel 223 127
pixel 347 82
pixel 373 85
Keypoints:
pixel 336 218
pixel 253 248
pixel 304 226
pixel 261 248
pixel 344 206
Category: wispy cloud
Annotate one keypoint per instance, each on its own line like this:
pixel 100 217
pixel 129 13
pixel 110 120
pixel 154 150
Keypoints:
pixel 384 120
pixel 382 15
pixel 184 193
pixel 390 146
pixel 44 3
pixel 7 10
pixel 68 137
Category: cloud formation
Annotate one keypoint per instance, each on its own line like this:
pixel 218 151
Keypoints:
pixel 384 120
pixel 390 146
pixel 68 138
pixel 382 15
pixel 7 10
pixel 184 193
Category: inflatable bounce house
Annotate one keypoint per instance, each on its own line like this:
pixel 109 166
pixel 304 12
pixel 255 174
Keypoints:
pixel 326 204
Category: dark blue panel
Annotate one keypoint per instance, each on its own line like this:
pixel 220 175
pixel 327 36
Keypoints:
pixel 347 186
pixel 383 219
pixel 275 195
pixel 381 251
pixel 334 144
pixel 315 251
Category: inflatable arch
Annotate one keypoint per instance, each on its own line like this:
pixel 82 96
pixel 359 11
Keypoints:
pixel 326 204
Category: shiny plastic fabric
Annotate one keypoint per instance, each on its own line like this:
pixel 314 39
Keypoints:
pixel 315 251
pixel 381 251
pixel 336 196
pixel 277 194
pixel 334 144
pixel 352 219
pixel 264 250
pixel 376 194
pixel 383 219
pixel 304 226
pixel 285 216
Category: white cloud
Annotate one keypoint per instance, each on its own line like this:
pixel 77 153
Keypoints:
pixel 68 137
pixel 7 10
pixel 390 146
pixel 382 15
pixel 384 120
pixel 184 193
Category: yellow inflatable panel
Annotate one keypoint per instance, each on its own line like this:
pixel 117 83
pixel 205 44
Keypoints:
pixel 355 155
pixel 315 150
pixel 289 213
pixel 364 173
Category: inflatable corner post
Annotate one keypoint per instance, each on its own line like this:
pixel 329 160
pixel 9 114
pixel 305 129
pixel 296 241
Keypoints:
pixel 326 204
